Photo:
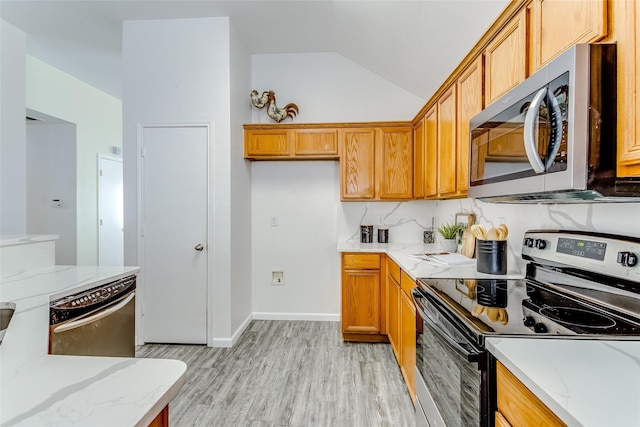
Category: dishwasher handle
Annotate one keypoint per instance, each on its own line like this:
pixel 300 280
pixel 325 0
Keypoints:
pixel 95 316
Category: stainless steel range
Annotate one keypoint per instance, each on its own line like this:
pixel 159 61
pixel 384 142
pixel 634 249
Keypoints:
pixel 578 285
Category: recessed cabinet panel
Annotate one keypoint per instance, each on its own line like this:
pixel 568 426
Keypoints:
pixel 395 164
pixel 357 164
pixel 505 59
pixel 267 143
pixel 316 142
pixel 419 159
pixel 447 143
pixel 431 153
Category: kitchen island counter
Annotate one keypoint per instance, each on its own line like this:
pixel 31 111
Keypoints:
pixel 584 382
pixel 40 389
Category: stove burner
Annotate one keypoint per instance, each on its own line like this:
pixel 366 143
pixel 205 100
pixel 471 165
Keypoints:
pixel 578 317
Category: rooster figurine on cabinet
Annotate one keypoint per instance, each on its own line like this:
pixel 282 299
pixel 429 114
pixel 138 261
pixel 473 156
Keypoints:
pixel 268 99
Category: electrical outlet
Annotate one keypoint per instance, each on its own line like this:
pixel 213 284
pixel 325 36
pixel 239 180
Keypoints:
pixel 277 277
pixel 57 203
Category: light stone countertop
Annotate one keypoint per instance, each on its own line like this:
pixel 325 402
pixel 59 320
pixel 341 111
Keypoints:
pixel 416 268
pixel 584 382
pixel 40 389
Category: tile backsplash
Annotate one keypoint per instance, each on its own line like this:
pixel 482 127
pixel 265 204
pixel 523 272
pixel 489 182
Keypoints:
pixel 408 220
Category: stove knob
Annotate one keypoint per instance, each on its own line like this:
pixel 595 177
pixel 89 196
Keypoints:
pixel 627 259
pixel 529 321
pixel 540 244
pixel 528 242
pixel 540 328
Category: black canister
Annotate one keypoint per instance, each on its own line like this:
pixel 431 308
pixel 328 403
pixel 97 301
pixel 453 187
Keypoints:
pixel 383 234
pixel 366 233
pixel 492 256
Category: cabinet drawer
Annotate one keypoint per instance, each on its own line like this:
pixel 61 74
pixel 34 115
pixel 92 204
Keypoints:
pixel 361 261
pixel 407 283
pixel 393 269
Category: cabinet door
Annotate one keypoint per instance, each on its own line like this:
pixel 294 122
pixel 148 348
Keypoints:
pixel 321 143
pixel 357 164
pixel 470 96
pixel 447 142
pixel 431 153
pixel 393 313
pixel 361 301
pixel 408 343
pixel 505 59
pixel 395 164
pixel 627 18
pixel 419 159
pixel 518 404
pixel 267 143
pixel 558 25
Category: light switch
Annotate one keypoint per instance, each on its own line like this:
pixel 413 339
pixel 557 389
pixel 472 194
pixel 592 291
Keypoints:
pixel 274 221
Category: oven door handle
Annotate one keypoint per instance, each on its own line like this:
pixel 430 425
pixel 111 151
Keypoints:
pixel 470 355
pixel 95 316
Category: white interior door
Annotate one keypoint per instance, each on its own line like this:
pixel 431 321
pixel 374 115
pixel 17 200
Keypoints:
pixel 174 234
pixel 111 211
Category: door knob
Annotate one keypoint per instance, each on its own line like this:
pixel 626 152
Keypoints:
pixel 199 247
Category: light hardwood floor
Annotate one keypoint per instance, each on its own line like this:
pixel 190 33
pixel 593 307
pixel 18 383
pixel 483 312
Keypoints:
pixel 288 373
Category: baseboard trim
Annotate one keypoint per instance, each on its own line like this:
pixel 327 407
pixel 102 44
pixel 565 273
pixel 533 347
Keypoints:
pixel 324 317
pixel 230 342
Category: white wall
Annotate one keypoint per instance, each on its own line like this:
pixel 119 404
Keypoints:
pixel 13 179
pixel 305 196
pixel 179 71
pixel 240 79
pixel 98 120
pixel 327 87
pixel 51 174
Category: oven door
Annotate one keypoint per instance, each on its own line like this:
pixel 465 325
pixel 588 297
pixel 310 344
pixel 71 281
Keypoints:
pixel 450 380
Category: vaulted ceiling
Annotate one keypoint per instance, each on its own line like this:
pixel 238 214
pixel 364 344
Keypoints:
pixel 413 44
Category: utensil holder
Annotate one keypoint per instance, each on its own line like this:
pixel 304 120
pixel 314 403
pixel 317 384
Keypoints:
pixel 491 256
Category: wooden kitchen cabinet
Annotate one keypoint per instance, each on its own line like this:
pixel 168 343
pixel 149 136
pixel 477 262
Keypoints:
pixel 517 405
pixel 556 25
pixel 470 102
pixel 162 419
pixel 362 315
pixel 291 142
pixel 431 153
pixel 376 163
pixel 447 143
pixel 393 307
pixel 626 16
pixel 419 158
pixel 505 58
pixel 408 343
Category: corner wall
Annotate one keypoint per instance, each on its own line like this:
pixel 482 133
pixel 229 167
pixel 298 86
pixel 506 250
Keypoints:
pixel 13 155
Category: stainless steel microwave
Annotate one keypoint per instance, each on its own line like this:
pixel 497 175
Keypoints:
pixel 552 138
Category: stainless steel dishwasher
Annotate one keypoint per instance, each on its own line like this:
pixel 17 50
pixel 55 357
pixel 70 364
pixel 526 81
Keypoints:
pixel 96 322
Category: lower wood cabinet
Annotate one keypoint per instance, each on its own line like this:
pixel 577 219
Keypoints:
pixel 362 314
pixel 518 406
pixel 408 343
pixel 162 420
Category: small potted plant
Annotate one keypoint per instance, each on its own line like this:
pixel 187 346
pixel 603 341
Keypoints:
pixel 449 233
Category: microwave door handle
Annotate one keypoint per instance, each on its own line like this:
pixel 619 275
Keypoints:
pixel 530 134
pixel 556 131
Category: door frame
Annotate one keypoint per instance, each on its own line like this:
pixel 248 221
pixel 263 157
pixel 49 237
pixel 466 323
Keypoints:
pixel 140 288
pixel 102 157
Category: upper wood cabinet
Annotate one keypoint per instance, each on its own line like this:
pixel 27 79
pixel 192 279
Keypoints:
pixel 419 158
pixel 431 153
pixel 556 25
pixel 505 58
pixel 626 34
pixel 291 142
pixel 395 164
pixel 377 163
pixel 447 143
pixel 470 103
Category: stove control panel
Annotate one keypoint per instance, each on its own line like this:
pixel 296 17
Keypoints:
pixel 601 253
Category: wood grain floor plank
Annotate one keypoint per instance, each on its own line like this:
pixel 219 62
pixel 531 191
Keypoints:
pixel 288 373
